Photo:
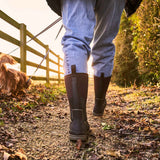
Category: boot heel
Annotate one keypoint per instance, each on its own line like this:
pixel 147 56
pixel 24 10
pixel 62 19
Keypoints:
pixel 73 137
pixel 97 114
pixel 99 107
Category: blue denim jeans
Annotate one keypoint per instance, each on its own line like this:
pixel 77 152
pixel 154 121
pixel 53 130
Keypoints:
pixel 87 20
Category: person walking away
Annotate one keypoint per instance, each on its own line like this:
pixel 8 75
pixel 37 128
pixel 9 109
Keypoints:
pixel 84 21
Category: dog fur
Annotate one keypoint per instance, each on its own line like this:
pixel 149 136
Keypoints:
pixel 11 81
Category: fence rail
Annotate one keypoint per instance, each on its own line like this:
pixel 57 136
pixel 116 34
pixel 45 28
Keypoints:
pixel 24 48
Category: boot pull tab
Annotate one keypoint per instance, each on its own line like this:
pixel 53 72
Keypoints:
pixel 73 69
pixel 102 75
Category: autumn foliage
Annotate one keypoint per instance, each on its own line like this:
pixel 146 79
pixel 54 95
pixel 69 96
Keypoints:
pixel 138 46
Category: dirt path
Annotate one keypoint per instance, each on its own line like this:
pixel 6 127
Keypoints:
pixel 130 128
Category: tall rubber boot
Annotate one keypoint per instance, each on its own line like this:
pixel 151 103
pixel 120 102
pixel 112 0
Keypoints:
pixel 77 89
pixel 100 87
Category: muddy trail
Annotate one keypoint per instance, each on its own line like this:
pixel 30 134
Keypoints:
pixel 37 124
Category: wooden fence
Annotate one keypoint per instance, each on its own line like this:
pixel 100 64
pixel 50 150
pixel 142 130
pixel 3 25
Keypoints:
pixel 24 48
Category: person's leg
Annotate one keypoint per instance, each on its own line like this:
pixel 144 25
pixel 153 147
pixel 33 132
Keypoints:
pixel 79 21
pixel 108 14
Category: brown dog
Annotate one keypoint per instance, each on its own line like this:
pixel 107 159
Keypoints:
pixel 11 81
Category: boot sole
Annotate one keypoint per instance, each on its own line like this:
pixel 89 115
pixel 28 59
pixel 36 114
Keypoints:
pixel 77 137
pixel 98 114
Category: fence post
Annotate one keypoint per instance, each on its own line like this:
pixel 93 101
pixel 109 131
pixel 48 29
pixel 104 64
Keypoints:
pixel 47 64
pixel 23 47
pixel 59 75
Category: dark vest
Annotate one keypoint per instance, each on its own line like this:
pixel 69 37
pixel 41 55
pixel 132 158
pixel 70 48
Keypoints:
pixel 130 6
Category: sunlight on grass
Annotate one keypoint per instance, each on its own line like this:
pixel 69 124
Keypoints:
pixel 153 100
pixel 113 86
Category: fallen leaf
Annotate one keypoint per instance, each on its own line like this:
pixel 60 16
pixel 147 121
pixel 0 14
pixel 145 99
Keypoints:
pixel 13 140
pixel 3 147
pixel 19 107
pixel 146 129
pixel 79 144
pixel 9 144
pixel 154 130
pixel 113 153
pixel 25 103
pixel 20 155
pixel 6 156
pixel 107 135
pixel 149 144
pixel 29 99
pixel 21 150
